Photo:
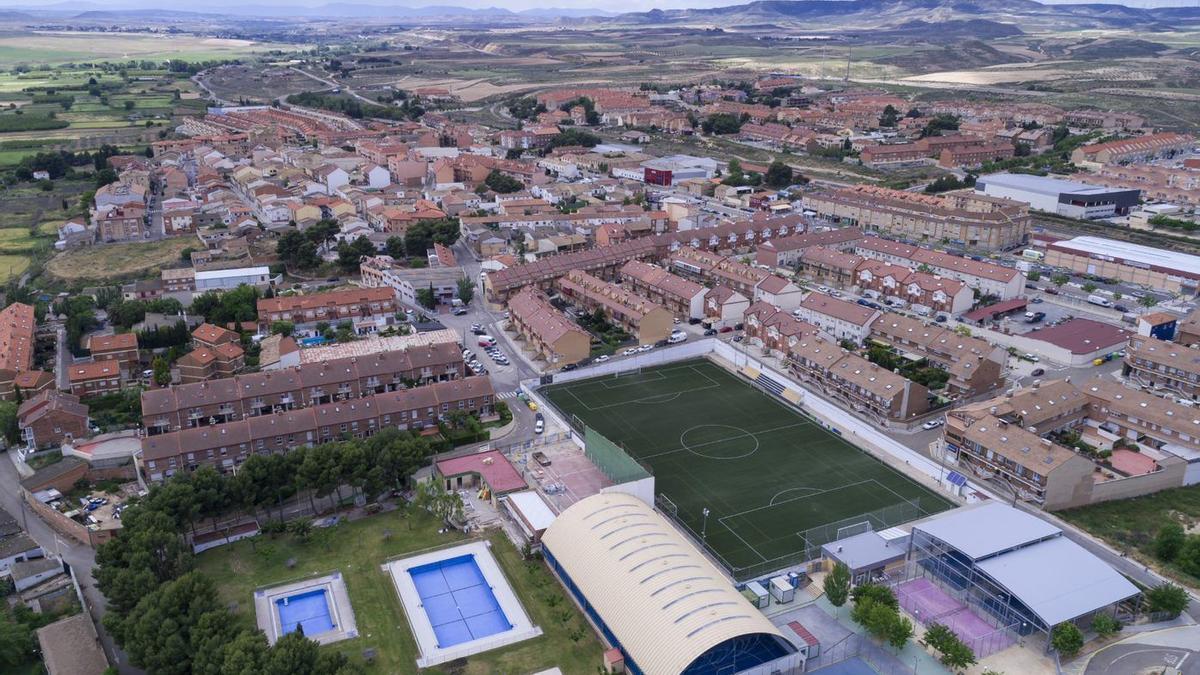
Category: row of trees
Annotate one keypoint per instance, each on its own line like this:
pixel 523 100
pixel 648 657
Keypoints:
pixel 167 616
pixel 1173 545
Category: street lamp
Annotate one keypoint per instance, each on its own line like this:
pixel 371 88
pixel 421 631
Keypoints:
pixel 704 526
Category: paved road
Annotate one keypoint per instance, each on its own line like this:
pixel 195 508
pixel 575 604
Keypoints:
pixel 81 558
pixel 1136 658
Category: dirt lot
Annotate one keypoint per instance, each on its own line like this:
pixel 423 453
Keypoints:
pixel 117 261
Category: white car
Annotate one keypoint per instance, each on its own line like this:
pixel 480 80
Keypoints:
pixel 932 424
pixel 602 358
pixel 539 426
pixel 630 352
pixel 645 348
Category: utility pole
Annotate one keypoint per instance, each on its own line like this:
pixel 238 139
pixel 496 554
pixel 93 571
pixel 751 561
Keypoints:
pixel 849 52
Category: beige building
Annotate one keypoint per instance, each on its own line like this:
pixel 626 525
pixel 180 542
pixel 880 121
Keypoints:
pixel 857 382
pixel 1164 365
pixel 547 331
pixel 646 321
pixel 682 296
pixel 976 221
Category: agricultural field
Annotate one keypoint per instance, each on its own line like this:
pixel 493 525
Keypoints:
pixel 29 223
pixel 55 48
pixel 115 262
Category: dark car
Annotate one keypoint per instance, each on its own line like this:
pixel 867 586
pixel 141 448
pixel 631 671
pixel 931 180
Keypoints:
pixel 1050 291
pixel 569 366
pixel 478 331
pixel 710 331
pixel 864 303
pixel 693 321
pixel 1038 372
pixel 726 329
pixel 1121 308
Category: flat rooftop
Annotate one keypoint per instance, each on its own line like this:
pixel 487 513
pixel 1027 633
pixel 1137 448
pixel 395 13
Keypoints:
pixel 1043 185
pixel 1111 249
pixel 492 466
pixel 1082 336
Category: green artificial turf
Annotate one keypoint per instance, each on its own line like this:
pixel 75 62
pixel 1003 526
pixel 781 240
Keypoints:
pixel 766 472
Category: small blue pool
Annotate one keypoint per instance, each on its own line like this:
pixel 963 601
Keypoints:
pixel 308 611
pixel 458 601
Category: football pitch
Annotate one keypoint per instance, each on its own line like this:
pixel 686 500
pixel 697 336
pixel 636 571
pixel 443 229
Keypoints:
pixel 769 476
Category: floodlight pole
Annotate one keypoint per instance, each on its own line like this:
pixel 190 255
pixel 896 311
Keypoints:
pixel 704 526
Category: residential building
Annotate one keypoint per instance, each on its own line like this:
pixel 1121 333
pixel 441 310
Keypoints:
pixel 829 266
pixel 752 282
pixel 382 273
pixel 857 382
pixel 975 155
pixel 122 348
pixel 724 307
pixel 255 394
pixel 97 378
pixel 330 307
pixel 786 251
pixel 647 321
pixel 1163 365
pixel 775 329
pixel 1004 283
pixel 683 297
pixel 50 417
pixel 975 366
pixel 71 646
pixel 209 336
pixel 972 220
pixel 17 326
pixel 228 444
pixel 121 223
pixel 839 319
pixel 208 363
pixel 1138 148
pixel 546 331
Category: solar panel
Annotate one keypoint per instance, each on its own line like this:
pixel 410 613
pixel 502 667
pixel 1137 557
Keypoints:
pixel 956 478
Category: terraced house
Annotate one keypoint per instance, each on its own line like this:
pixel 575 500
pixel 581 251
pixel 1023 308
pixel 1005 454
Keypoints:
pixel 857 382
pixel 547 331
pixel 256 394
pixel 647 321
pixel 227 444
pixel 331 307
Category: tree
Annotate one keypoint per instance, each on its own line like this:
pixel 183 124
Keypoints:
pixel 875 592
pixel 16 643
pixel 427 297
pixel 890 117
pixel 130 105
pixel 1167 598
pixel 157 636
pixel 899 630
pixel 1106 626
pixel 162 371
pixel 1169 541
pixel 1148 301
pixel 721 124
pixel 284 328
pixel 1089 287
pixel 351 254
pixel 394 246
pixel 1033 275
pixel 779 175
pixel 1188 558
pixel 953 652
pixel 1067 639
pixel 105 176
pixel 837 585
pixel 1059 279
pixel 466 290
pixel 502 183
pixel 8 422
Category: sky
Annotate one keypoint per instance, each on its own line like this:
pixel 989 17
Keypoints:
pixel 614 6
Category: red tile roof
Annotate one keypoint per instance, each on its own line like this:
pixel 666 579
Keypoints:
pixel 492 466
pixel 1082 336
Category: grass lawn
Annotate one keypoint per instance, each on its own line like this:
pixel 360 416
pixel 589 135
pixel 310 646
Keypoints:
pixel 12 266
pixel 1130 524
pixel 115 261
pixel 765 472
pixel 16 240
pixel 357 549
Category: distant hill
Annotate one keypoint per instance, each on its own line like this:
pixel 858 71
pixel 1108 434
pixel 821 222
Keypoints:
pixel 817 15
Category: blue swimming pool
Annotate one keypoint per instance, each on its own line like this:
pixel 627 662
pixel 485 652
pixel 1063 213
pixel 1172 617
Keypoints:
pixel 458 601
pixel 308 610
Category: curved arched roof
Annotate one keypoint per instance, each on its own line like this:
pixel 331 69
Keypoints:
pixel 662 599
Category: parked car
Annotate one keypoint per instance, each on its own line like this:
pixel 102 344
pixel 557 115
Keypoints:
pixel 602 358
pixel 630 352
pixel 539 425
pixel 1038 372
pixel 1031 357
pixel 541 458
pixel 932 424
pixel 727 329
pixel 737 338
pixel 1036 301
pixel 645 348
pixel 710 331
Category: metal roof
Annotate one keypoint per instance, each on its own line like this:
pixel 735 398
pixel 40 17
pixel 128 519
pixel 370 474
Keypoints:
pixel 985 530
pixel 1110 249
pixel 1042 185
pixel 1058 579
pixel 863 551
pixel 651 586
pixel 235 272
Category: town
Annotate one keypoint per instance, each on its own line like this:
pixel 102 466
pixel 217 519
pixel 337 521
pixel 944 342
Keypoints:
pixel 752 372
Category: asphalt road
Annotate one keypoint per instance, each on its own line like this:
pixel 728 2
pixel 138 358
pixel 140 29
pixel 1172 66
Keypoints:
pixel 1135 658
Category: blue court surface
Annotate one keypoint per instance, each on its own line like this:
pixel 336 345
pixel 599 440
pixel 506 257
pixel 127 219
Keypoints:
pixel 458 601
pixel 309 611
pixel 854 666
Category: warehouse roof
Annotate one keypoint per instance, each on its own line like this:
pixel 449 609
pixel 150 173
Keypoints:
pixel 650 585
pixel 987 529
pixel 1123 251
pixel 1041 184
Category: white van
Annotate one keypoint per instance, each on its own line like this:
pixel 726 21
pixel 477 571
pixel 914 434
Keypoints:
pixel 1100 300
pixel 677 337
pixel 487 341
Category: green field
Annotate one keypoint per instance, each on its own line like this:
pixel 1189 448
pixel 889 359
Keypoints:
pixel 765 472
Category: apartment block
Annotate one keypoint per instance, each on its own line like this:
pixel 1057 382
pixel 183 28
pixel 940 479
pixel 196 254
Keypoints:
pixel 1163 365
pixel 1005 283
pixel 976 221
pixel 975 366
pixel 225 445
pixel 122 348
pixel 839 319
pixel 752 282
pixel 547 331
pixel 94 379
pixel 50 417
pixel 647 321
pixel 18 324
pixel 1138 148
pixel 265 393
pixel 769 326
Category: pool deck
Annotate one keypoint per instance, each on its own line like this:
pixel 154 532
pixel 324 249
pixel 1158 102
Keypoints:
pixel 340 611
pixel 410 600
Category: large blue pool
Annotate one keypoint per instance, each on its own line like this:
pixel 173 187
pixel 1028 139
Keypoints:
pixel 308 610
pixel 458 601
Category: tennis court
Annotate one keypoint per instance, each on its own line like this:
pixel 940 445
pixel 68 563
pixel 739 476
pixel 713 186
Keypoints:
pixel 770 477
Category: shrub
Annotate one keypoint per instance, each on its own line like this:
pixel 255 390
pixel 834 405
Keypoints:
pixel 1067 640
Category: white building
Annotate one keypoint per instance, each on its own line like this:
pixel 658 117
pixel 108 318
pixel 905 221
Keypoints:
pixel 1064 197
pixel 224 280
pixel 839 319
